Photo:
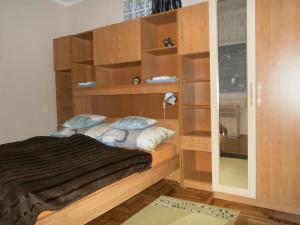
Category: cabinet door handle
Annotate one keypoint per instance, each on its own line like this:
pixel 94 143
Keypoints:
pixel 181 31
pixel 119 42
pixel 251 94
pixel 259 97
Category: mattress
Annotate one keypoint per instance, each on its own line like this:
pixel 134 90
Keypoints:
pixel 162 153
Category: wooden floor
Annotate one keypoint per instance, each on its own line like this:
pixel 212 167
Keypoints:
pixel 249 215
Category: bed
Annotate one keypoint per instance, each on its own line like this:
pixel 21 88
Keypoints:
pixel 164 162
pixel 98 203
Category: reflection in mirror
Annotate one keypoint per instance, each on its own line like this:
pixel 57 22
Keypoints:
pixel 232 48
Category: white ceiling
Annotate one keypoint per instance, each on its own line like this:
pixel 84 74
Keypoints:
pixel 67 2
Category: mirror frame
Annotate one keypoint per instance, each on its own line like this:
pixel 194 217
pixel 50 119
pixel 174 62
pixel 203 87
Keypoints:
pixel 251 101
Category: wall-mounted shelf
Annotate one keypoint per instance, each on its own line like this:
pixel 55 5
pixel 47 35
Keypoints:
pixel 128 89
pixel 162 51
pixel 196 106
pixel 195 81
pixel 120 65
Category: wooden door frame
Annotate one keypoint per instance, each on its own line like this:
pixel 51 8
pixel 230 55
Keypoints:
pixel 251 82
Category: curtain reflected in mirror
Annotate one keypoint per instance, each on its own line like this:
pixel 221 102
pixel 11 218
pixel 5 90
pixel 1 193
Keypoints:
pixel 233 116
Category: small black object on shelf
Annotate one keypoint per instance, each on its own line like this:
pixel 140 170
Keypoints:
pixel 136 80
pixel 159 6
pixel 168 42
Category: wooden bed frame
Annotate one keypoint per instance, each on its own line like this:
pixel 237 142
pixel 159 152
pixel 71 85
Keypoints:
pixel 101 201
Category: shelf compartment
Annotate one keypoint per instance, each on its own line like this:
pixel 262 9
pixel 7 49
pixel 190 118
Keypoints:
pixel 154 65
pixel 197 169
pixel 156 28
pixel 162 51
pixel 199 180
pixel 122 74
pixel 82 73
pixel 195 68
pixel 82 47
pixel 196 93
pixel 195 119
pixel 149 105
pixel 116 106
pixel 199 142
pixel 128 89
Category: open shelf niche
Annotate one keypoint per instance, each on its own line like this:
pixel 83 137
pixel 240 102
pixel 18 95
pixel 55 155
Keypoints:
pixel 158 60
pixel 118 74
pixel 82 73
pixel 149 105
pixel 197 172
pixel 155 28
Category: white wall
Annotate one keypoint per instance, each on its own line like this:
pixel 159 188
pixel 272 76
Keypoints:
pixel 90 14
pixel 27 82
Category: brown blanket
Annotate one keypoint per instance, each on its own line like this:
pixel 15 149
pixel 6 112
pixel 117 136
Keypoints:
pixel 48 173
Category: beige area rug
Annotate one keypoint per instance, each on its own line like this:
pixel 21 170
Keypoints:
pixel 234 172
pixel 171 211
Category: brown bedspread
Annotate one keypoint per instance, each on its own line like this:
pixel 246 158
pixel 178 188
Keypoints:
pixel 48 173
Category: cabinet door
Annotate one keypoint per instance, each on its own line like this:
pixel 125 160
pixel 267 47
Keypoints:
pixel 62 53
pixel 104 45
pixel 193 29
pixel 63 97
pixel 278 110
pixel 128 41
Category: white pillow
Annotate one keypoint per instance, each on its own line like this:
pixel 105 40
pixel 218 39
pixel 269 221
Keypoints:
pixel 97 130
pixel 145 139
pixel 151 137
pixel 84 121
pixel 133 122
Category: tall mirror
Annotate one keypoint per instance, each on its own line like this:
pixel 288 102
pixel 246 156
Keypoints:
pixel 233 98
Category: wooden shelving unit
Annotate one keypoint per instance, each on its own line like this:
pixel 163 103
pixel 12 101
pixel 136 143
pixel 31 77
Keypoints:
pixel 112 58
pixel 195 139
